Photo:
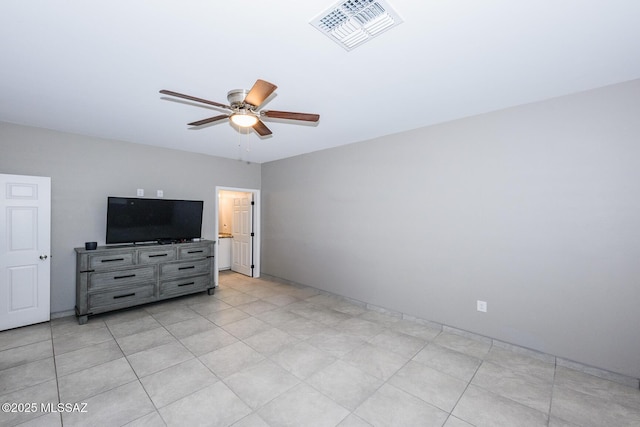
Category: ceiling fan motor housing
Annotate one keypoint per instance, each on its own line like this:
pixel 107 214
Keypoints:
pixel 236 97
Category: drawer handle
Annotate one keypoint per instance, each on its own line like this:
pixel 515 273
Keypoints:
pixel 112 260
pixel 124 296
pixel 157 255
pixel 124 277
pixel 187 284
pixel 196 252
pixel 187 268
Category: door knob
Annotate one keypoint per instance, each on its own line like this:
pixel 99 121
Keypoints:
pixel 43 257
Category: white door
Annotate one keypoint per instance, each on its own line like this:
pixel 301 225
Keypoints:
pixel 242 245
pixel 25 242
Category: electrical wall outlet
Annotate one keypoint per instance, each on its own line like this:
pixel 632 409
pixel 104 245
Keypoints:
pixel 140 192
pixel 160 193
pixel 482 306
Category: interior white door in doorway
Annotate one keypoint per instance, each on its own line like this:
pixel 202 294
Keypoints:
pixel 25 244
pixel 242 241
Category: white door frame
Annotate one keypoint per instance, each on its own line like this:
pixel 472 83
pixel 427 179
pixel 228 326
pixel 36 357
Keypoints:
pixel 256 227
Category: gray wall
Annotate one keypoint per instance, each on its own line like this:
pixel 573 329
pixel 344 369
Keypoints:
pixel 534 209
pixel 85 170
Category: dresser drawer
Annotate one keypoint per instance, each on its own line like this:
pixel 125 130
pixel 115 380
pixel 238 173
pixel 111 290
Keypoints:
pixel 125 277
pixel 151 256
pixel 185 268
pixel 197 252
pixel 184 286
pixel 112 259
pixel 125 297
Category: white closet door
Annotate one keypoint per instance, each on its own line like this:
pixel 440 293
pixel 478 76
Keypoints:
pixel 25 250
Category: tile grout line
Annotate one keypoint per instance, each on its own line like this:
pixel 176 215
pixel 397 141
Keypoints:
pixel 137 377
pixel 553 388
pixel 482 360
pixel 55 370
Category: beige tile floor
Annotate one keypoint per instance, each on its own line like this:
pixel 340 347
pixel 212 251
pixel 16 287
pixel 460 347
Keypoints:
pixel 262 353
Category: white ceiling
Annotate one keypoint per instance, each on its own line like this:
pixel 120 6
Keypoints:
pixel 95 67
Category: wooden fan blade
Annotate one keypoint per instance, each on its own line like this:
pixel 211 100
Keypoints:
pixel 259 92
pixel 209 120
pixel 261 128
pixel 307 117
pixel 193 98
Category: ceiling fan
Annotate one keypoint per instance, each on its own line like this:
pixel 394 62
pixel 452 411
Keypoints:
pixel 244 106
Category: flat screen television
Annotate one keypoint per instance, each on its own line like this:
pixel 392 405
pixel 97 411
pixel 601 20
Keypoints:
pixel 136 220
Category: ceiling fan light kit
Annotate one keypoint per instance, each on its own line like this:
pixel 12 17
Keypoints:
pixel 244 119
pixel 244 107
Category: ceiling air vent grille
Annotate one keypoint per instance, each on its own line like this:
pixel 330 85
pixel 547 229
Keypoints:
pixel 353 22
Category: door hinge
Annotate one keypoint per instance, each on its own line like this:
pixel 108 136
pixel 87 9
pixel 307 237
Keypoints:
pixel 253 203
pixel 252 234
pixel 252 266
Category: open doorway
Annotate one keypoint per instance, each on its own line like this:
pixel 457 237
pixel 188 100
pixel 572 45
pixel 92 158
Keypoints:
pixel 238 229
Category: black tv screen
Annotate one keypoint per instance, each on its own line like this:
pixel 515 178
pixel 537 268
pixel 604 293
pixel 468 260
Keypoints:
pixel 131 220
